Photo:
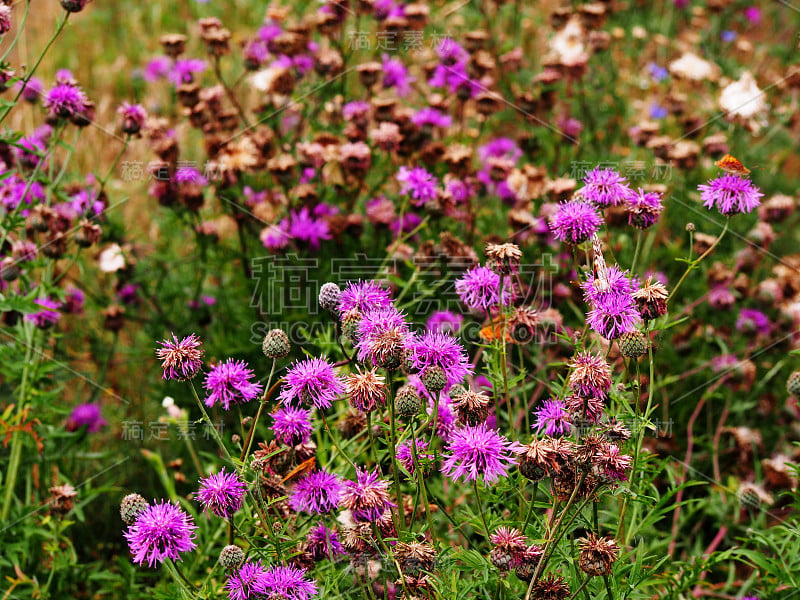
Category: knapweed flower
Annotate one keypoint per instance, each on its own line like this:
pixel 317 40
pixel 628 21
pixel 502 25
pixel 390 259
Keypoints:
pixel 479 289
pixel 730 194
pixel 364 296
pixel 590 376
pixel 445 321
pixel 553 418
pixel 133 117
pixel 229 383
pixel 509 546
pixel 288 582
pixel 222 493
pixel 417 183
pixel 31 89
pixel 322 542
pixel 292 426
pixel 753 321
pixel 405 453
pixel 434 348
pixel 606 187
pixel 312 381
pixel 478 451
pixel 613 316
pixel 5 19
pixel 575 221
pixel 612 464
pixel 86 415
pixel 181 360
pixel 304 227
pixel 47 316
pixel 429 117
pixel 395 75
pixel 64 101
pixel 184 70
pixel 318 492
pixel 367 498
pixel 643 209
pixel 249 581
pixel 381 335
pixel 160 531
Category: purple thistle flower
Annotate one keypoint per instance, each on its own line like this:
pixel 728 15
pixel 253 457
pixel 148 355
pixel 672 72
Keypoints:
pixel 292 426
pixel 479 452
pixel 553 417
pixel 657 72
pixel 86 415
pixel 307 229
pixel 614 315
pixel 445 321
pixel 355 110
pixel 65 100
pixel 133 117
pixel 613 463
pixel 373 326
pixel 222 493
pixel 451 52
pixel 181 360
pixel 446 419
pixel 616 282
pixel 367 498
pixel 501 147
pixel 434 348
pixel 606 187
pixel 731 194
pixel 184 69
pixel 478 288
pixel 160 531
pixel 290 583
pixel 431 117
pixel 229 382
pixel 275 237
pixel 395 74
pixel 643 209
pixel 365 296
pixel 157 68
pixel 46 317
pixel 189 175
pixel 405 453
pixel 247 582
pixel 317 492
pixel 322 542
pixel 575 221
pixel 32 89
pixel 312 381
pixel 753 321
pixel 417 183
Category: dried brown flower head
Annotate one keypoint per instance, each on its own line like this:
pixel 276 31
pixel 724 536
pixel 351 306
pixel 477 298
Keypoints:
pixel 597 555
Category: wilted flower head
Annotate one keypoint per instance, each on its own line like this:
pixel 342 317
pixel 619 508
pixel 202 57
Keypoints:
pixel 365 389
pixel 292 426
pixel 181 360
pixel 643 209
pixel 160 531
pixel 317 492
pixel 591 375
pixel 478 451
pixel 229 383
pixel 312 381
pixel 221 493
pixel 731 194
pixel 367 498
pixel 133 117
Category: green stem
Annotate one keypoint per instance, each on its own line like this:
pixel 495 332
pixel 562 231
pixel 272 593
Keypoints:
pixel 208 421
pixel 480 507
pixel 393 455
pixel 699 259
pixel 251 434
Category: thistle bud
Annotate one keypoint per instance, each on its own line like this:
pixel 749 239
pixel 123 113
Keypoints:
pixel 131 507
pixel 276 344
pixel 231 557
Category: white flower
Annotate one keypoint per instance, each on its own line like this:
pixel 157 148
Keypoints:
pixel 743 98
pixel 111 259
pixel 691 66
pixel 567 44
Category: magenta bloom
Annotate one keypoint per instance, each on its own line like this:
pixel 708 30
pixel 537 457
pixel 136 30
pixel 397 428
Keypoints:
pixel 445 321
pixel 65 101
pixel 189 175
pixel 229 383
pixel 606 187
pixel 644 209
pixel 376 325
pixel 181 360
pixel 157 68
pixel 753 321
pixel 312 381
pixel 613 463
pixel 364 296
pixel 405 453
pixel 431 117
pixel 48 316
pixel 32 89
pixel 616 282
pixel 731 194
pixel 184 70
pixel 222 493
pixel 161 531
pixel 307 229
pixel 614 315
pixel 249 581
pixel 86 415
pixel 417 183
pixel 479 452
pixel 318 492
pixel 292 426
pixel 434 348
pixel 133 117
pixel 552 418
pixel 288 582
pixel 322 542
pixel 367 497
pixel 575 221
pixel 479 289
pixel 395 75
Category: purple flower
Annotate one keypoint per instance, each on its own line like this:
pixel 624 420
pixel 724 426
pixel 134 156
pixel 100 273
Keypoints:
pixel 575 221
pixel 731 194
pixel 133 117
pixel 405 453
pixel 616 282
pixel 434 348
pixel 381 332
pixel 501 147
pixel 367 498
pixel 445 321
pixel 312 381
pixel 189 175
pixel 46 317
pixel 74 299
pixel 32 89
pixel 479 452
pixel 613 316
pixel 606 187
pixel 65 101
pixel 553 417
pixel 317 492
pixel 275 237
pixel 157 68
pixel 753 321
pixel 479 289
pixel 753 14
pixel 181 360
pixel 364 296
pixel 644 209
pixel 160 531
pixel 657 111
pixel 395 74
pixel 184 69
pixel 356 110
pixel 417 183
pixel 322 542
pixel 248 582
pixel 222 493
pixel 657 72
pixel 229 382
pixel 431 117
pixel 86 415
pixel 292 426
pixel 307 229
pixel 288 582
pixel 451 52
pixel 728 36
